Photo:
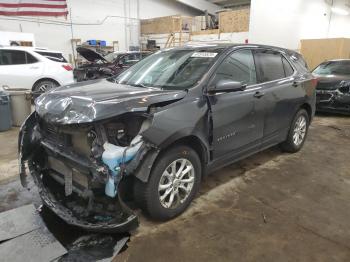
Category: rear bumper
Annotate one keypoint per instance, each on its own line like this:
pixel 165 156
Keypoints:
pixel 65 78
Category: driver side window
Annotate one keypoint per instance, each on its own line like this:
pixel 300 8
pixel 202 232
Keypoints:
pixel 239 66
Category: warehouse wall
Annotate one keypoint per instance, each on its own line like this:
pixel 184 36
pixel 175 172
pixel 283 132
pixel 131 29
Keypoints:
pixel 103 19
pixel 285 22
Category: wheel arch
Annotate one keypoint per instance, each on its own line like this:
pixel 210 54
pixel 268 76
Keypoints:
pixel 45 79
pixel 308 109
pixel 191 141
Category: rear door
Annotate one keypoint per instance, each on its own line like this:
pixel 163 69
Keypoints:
pixel 18 69
pixel 281 93
pixel 238 116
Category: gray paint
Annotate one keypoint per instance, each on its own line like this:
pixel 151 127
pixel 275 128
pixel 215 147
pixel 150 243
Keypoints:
pixel 225 126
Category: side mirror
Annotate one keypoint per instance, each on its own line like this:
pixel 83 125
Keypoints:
pixel 225 86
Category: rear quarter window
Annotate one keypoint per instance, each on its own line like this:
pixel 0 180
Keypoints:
pixel 56 57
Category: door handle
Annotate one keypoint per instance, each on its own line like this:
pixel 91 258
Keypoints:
pixel 259 94
pixel 34 67
pixel 296 83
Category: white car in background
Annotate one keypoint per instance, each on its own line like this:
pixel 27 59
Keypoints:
pixel 34 69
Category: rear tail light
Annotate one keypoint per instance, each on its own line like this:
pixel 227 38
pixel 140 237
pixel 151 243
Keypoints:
pixel 67 67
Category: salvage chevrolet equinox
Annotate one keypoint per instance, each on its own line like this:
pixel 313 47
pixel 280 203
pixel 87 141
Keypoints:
pixel 153 132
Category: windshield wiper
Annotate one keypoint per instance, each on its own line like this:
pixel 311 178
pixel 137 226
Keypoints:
pixel 140 85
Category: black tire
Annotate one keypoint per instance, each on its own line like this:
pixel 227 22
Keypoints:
pixel 43 86
pixel 146 195
pixel 290 145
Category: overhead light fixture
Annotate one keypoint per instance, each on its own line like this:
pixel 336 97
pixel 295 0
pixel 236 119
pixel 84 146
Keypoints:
pixel 339 11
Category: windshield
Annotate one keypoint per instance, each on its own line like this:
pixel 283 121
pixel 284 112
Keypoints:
pixel 171 69
pixel 333 68
pixel 112 56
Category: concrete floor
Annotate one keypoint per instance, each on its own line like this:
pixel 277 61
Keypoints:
pixel 272 206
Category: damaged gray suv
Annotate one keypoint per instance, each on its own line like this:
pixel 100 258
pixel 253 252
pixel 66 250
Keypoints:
pixel 153 132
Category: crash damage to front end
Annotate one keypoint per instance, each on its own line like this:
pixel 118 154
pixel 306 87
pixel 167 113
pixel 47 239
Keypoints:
pixel 78 151
pixel 333 97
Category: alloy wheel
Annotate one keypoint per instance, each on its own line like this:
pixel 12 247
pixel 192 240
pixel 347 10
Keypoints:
pixel 45 87
pixel 176 183
pixel 299 130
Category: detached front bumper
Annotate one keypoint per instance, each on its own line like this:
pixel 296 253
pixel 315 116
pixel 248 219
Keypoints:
pixel 28 148
pixel 130 222
pixel 332 101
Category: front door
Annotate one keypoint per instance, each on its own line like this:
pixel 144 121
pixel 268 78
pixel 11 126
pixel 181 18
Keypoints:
pixel 238 117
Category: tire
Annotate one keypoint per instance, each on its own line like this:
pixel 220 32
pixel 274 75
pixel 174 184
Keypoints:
pixel 297 133
pixel 148 196
pixel 44 85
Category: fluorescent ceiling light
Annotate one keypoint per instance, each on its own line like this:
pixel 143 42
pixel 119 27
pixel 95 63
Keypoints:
pixel 339 11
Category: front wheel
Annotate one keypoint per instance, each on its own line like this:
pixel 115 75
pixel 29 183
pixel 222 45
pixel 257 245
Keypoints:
pixel 173 183
pixel 297 132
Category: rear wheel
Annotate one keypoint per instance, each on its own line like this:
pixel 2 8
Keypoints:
pixel 297 132
pixel 173 183
pixel 44 85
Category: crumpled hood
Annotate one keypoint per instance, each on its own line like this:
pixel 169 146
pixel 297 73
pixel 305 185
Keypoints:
pixel 95 100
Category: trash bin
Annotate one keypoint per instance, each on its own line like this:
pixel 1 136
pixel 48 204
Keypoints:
pixel 5 112
pixel 20 105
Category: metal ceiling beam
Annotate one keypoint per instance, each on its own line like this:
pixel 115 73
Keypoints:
pixel 231 3
pixel 201 5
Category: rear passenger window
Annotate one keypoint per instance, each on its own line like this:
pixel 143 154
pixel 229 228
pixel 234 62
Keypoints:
pixel 12 57
pixel 269 65
pixel 31 59
pixel 288 69
pixel 239 66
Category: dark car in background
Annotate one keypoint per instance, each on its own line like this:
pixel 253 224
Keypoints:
pixel 102 66
pixel 333 88
pixel 153 132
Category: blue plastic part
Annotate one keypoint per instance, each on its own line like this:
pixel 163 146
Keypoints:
pixel 110 189
pixel 113 156
pixel 92 42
